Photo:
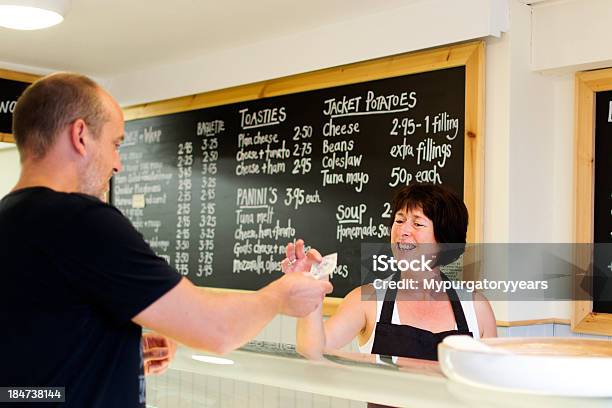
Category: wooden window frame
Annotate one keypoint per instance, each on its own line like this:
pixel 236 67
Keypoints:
pixel 583 319
pixel 469 54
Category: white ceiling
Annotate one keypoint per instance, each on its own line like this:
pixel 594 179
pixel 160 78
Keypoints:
pixel 104 38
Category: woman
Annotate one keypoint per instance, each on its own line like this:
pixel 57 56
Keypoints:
pixel 413 325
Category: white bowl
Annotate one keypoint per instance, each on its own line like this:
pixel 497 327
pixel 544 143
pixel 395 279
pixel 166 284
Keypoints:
pixel 547 366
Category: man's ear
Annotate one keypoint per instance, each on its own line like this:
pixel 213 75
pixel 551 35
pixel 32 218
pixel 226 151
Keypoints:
pixel 79 136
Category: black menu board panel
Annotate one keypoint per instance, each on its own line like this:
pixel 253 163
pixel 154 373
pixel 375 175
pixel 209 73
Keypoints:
pixel 12 85
pixel 602 212
pixel 219 191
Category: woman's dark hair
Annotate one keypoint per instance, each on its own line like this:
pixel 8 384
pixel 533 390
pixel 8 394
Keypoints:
pixel 444 208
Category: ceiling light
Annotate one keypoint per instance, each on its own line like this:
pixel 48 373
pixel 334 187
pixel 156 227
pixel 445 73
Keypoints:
pixel 32 14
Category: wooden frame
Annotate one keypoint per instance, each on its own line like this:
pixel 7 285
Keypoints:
pixel 15 76
pixel 583 320
pixel 470 55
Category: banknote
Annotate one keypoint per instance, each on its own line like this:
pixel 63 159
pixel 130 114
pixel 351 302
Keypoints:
pixel 325 267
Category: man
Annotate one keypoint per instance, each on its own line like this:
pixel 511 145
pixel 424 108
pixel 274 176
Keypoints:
pixel 79 283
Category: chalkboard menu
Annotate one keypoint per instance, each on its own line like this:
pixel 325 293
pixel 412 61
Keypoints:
pixel 219 191
pixel 10 90
pixel 602 212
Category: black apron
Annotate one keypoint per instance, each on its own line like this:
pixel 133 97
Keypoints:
pixel 408 341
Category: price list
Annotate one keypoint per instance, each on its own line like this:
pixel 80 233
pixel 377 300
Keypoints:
pixel 220 191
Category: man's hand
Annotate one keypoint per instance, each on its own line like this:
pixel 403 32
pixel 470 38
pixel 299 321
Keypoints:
pixel 298 295
pixel 297 260
pixel 157 351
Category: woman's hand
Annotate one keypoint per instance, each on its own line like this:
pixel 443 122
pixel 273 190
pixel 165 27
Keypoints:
pixel 298 260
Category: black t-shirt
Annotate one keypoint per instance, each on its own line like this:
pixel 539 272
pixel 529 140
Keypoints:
pixel 74 272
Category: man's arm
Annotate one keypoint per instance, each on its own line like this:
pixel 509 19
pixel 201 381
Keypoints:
pixel 221 322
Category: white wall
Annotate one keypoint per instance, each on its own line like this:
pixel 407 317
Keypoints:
pixel 572 34
pixel 529 154
pixel 420 24
pixel 9 169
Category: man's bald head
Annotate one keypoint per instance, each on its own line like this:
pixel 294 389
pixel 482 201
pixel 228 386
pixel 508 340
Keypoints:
pixel 49 105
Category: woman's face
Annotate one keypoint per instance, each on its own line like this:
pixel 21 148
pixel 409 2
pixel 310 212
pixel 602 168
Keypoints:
pixel 412 227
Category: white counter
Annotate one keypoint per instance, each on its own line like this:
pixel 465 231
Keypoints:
pixel 416 386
